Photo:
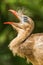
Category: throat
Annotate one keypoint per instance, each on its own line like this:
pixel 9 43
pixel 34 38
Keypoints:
pixel 22 36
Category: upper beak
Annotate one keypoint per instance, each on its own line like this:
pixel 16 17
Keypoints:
pixel 15 13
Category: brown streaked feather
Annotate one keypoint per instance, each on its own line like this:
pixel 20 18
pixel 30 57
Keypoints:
pixel 26 49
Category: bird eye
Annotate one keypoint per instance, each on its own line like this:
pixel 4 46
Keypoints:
pixel 25 19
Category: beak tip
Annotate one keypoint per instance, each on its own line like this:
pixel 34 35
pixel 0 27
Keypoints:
pixel 9 10
pixel 4 23
pixel 13 11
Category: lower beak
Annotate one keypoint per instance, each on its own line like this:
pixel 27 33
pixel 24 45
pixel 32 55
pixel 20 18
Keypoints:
pixel 14 25
pixel 9 23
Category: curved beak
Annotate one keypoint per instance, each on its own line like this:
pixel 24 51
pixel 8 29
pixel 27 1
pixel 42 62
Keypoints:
pixel 15 13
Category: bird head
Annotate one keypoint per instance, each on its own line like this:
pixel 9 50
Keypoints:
pixel 24 28
pixel 25 21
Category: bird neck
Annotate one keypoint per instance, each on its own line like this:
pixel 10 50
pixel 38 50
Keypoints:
pixel 22 36
pixel 31 24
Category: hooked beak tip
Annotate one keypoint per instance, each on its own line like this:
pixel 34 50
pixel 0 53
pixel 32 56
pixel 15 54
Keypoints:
pixel 14 12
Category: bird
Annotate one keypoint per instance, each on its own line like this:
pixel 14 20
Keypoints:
pixel 26 44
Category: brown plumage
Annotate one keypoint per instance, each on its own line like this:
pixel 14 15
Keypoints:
pixel 26 45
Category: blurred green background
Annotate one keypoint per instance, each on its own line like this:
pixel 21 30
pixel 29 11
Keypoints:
pixel 32 8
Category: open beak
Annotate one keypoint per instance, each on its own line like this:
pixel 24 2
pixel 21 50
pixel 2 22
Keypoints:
pixel 15 14
pixel 14 25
